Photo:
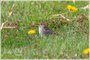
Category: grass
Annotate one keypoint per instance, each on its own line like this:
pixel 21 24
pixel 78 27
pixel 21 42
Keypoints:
pixel 18 44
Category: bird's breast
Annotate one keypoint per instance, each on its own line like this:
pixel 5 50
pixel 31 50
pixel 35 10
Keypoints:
pixel 41 31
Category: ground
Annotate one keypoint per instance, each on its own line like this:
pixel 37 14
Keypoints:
pixel 69 43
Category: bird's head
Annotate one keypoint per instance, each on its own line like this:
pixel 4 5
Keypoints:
pixel 42 25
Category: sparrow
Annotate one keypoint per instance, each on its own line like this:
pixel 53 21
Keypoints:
pixel 44 30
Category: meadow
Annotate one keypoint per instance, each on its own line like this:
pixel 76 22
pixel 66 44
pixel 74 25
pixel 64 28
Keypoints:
pixel 68 44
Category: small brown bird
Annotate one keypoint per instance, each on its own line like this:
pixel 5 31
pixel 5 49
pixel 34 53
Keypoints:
pixel 44 30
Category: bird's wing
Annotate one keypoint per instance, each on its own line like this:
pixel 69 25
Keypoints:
pixel 48 32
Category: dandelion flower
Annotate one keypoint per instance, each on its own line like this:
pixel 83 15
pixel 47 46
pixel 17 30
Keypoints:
pixel 72 8
pixel 86 51
pixel 31 32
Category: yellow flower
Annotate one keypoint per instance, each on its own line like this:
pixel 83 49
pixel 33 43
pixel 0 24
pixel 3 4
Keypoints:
pixel 10 13
pixel 69 6
pixel 72 8
pixel 86 51
pixel 31 32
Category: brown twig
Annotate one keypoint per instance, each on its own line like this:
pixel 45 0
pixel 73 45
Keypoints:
pixel 9 26
pixel 62 16
pixel 2 26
